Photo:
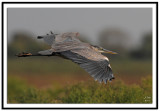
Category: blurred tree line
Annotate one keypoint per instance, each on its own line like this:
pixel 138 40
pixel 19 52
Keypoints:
pixel 118 41
pixel 145 50
pixel 23 42
pixel 115 40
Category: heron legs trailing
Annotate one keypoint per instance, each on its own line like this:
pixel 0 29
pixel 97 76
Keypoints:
pixel 25 54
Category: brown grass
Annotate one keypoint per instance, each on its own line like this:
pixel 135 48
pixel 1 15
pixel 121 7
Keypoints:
pixel 48 80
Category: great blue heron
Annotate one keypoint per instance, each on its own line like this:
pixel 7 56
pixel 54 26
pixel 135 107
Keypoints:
pixel 87 56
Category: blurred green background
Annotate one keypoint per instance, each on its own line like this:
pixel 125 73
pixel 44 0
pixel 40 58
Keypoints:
pixel 56 80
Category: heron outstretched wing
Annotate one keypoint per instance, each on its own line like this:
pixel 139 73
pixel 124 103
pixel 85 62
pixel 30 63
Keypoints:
pixel 65 46
pixel 94 63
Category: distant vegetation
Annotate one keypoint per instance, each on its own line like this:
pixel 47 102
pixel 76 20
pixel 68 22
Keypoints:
pixel 117 40
pixel 145 51
pixel 23 42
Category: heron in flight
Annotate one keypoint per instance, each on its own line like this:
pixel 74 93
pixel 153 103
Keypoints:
pixel 87 56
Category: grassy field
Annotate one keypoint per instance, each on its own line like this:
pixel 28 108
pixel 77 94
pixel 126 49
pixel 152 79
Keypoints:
pixel 54 80
pixel 83 92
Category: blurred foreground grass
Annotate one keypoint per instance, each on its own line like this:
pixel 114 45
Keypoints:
pixel 83 92
pixel 55 80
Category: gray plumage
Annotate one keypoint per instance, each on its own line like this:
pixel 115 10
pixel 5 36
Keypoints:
pixel 49 39
pixel 87 56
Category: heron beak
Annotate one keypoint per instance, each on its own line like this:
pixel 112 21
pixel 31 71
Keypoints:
pixel 109 52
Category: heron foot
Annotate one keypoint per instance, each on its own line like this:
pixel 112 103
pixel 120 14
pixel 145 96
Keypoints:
pixel 23 54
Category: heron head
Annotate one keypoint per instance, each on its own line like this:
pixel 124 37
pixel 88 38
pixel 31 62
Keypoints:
pixel 102 50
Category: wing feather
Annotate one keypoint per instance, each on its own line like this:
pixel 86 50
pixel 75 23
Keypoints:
pixel 99 69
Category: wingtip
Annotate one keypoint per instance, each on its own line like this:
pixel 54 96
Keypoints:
pixel 111 78
pixel 39 37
